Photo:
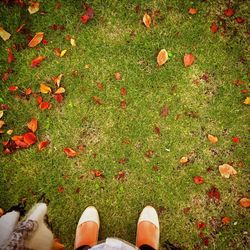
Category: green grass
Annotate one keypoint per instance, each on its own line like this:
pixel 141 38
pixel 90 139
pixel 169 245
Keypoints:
pixel 117 41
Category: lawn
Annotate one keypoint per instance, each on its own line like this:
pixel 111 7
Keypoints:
pixel 140 131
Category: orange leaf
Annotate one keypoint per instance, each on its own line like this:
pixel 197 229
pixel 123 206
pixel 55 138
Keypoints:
pixel 21 144
pixel 198 180
pixel 44 88
pixel 29 138
pixel 70 152
pixel 61 189
pixel 37 61
pixel 226 170
pixel 192 11
pixel 118 76
pixel 245 202
pixel 57 52
pixel 146 20
pixel 123 91
pixel 32 125
pixel 57 80
pixel 57 245
pixel 36 40
pixel 33 7
pixel 100 86
pixel 42 145
pixel 226 220
pixel 28 91
pixel 188 59
pixel 162 57
pixel 184 160
pixel 17 138
pixel 212 139
pixel 13 88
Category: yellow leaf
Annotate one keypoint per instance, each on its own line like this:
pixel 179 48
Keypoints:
pixel 184 160
pixel 146 20
pixel 226 170
pixel 63 53
pixel 73 42
pixel 44 88
pixel 247 101
pixel 60 90
pixel 33 7
pixel 4 34
pixel 162 57
pixel 10 131
pixel 1 114
pixel 213 139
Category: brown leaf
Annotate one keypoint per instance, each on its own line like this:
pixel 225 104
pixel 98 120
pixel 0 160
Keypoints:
pixel 36 40
pixel 32 125
pixel 97 100
pixel 123 104
pixel 162 57
pixel 146 20
pixel 226 170
pixel 164 111
pixel 213 139
pixel 245 202
pixel 188 59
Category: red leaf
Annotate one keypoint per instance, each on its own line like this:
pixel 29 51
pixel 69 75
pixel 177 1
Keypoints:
pixel 21 144
pixel 61 189
pixel 44 105
pixel 226 220
pixel 68 37
pixel 198 180
pixel 123 104
pixel 201 225
pixel 13 88
pixel 37 61
pixel 29 138
pixel 11 57
pixel 157 130
pixel 205 241
pixel 236 139
pixel 100 86
pixel 97 173
pixel 240 19
pixel 188 59
pixel 39 99
pixel 70 152
pixel 120 175
pixel 229 12
pixel 244 91
pixel 32 125
pixel 214 194
pixel 28 91
pixel 44 41
pixel 164 111
pixel 214 28
pixel 85 19
pixel 42 145
pixel 123 91
pixel 59 98
pixel 89 11
pixel 192 11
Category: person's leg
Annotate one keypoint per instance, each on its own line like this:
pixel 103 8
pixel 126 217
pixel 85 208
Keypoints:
pixel 87 229
pixel 148 229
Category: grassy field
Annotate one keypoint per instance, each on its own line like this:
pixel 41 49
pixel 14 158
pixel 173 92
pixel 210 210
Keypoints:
pixel 205 98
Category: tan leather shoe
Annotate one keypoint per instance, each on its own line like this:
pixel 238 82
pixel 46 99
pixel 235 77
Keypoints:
pixel 88 228
pixel 148 228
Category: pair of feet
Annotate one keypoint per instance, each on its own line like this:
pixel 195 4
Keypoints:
pixel 148 229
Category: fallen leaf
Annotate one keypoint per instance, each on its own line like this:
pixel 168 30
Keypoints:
pixel 100 86
pixel 20 27
pixel 188 60
pixel 213 139
pixel 164 111
pixel 229 12
pixel 70 152
pixel 29 138
pixel 36 39
pixel 184 160
pixel 192 11
pixel 4 34
pixel 214 194
pixel 89 11
pixel 146 20
pixel 149 153
pixel 57 52
pixel 123 91
pixel 33 7
pixel 240 19
pixel 245 202
pixel 39 99
pixel 13 88
pixel 84 18
pixel 44 88
pixel 118 76
pixel 56 243
pixel 236 139
pixel 120 175
pixel 1 123
pixel 44 41
pixel 201 225
pixel 37 61
pixel 60 90
pixel 57 80
pixel 61 189
pixel 157 130
pixel 42 145
pixel 226 170
pixel 63 53
pixel 162 57
pixel 17 138
pixel 97 100
pixel 21 144
pixel 28 91
pixel 198 180
pixel 59 98
pixel 73 42
pixel 97 173
pixel 9 132
pixel 11 57
pixel 33 124
pixel 44 105
pixel 68 37
pixel 226 220
pixel 123 104
pixel 247 101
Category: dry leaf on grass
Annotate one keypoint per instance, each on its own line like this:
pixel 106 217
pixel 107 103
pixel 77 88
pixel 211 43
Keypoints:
pixel 245 202
pixel 188 59
pixel 4 34
pixel 162 57
pixel 32 125
pixel 33 7
pixel 36 39
pixel 226 170
pixel 213 139
pixel 146 20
